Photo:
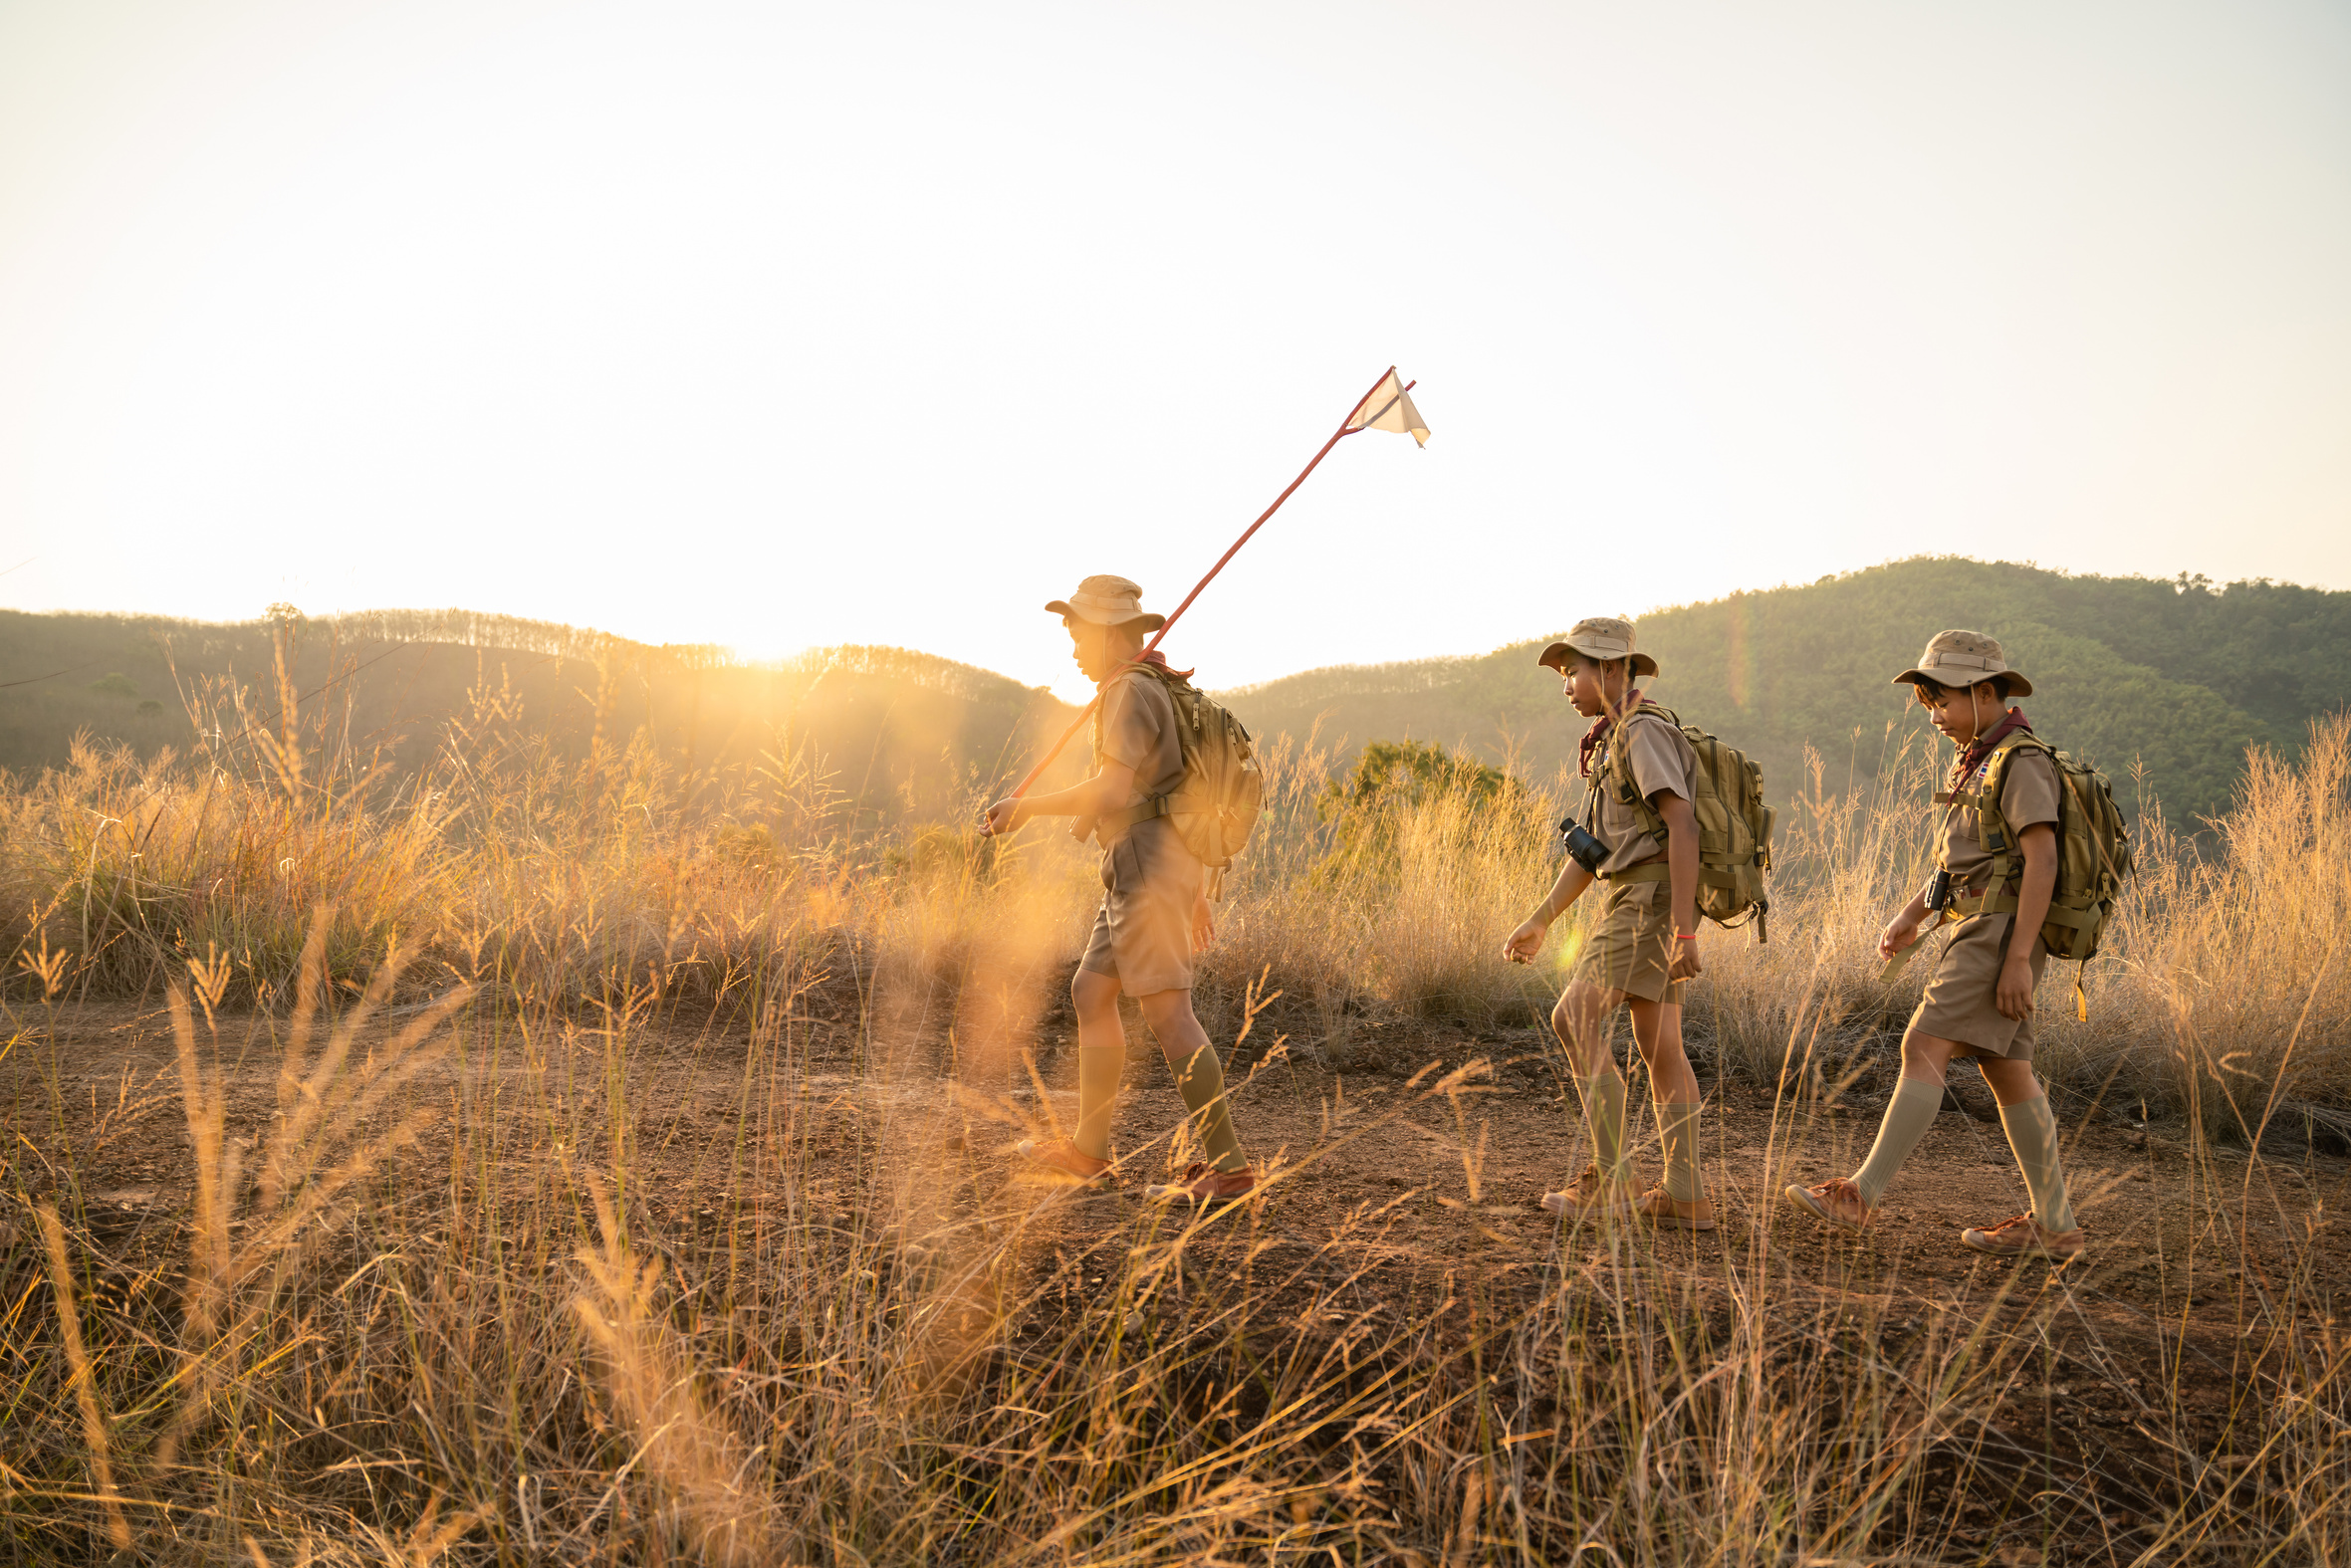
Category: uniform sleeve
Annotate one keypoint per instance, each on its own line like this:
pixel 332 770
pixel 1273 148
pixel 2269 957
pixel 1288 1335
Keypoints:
pixel 1659 756
pixel 2029 793
pixel 1130 725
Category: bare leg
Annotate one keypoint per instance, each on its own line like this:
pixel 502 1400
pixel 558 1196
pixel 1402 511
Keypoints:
pixel 1657 1032
pixel 2011 1083
pixel 1674 1095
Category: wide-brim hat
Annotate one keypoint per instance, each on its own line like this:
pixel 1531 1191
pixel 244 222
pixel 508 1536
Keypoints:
pixel 1961 659
pixel 1107 601
pixel 1598 637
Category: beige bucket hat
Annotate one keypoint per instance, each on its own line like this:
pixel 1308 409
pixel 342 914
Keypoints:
pixel 1598 637
pixel 1961 659
pixel 1107 602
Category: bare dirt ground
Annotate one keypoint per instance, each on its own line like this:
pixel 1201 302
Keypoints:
pixel 2142 1350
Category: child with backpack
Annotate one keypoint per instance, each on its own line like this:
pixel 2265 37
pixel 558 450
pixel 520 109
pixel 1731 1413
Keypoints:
pixel 1154 913
pixel 1640 836
pixel 1997 854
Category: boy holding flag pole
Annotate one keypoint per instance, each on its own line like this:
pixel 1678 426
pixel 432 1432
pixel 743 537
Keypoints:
pixel 1155 914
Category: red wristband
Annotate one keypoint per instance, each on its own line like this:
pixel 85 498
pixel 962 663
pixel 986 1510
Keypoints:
pixel 1685 936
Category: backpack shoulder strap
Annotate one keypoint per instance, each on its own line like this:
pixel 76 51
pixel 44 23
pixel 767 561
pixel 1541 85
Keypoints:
pixel 1991 827
pixel 1620 767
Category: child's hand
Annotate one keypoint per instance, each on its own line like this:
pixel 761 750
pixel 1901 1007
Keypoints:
pixel 1684 964
pixel 1900 933
pixel 2013 995
pixel 1525 942
pixel 1004 816
pixel 1203 923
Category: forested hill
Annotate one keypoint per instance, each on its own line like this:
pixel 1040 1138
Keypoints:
pixel 902 735
pixel 2180 675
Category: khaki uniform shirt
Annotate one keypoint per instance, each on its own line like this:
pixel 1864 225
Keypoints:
pixel 1663 760
pixel 2028 795
pixel 1958 1002
pixel 1138 729
pixel 1142 935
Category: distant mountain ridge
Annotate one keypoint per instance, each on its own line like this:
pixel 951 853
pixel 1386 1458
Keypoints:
pixel 903 736
pixel 2179 675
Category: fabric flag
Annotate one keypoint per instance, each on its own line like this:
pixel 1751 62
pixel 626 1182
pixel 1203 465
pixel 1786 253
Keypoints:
pixel 1389 408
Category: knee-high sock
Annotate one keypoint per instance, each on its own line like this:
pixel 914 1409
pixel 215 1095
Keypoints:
pixel 1907 1116
pixel 1677 1129
pixel 1098 1068
pixel 2032 1133
pixel 1202 1083
pixel 1604 1112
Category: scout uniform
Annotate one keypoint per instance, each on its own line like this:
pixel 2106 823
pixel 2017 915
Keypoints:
pixel 1142 935
pixel 1960 1006
pixel 1634 940
pixel 1629 951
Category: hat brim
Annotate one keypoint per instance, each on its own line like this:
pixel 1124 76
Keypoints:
pixel 1962 680
pixel 1555 657
pixel 1067 610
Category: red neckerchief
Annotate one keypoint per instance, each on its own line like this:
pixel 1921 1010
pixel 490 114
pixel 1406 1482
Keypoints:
pixel 1599 732
pixel 1981 746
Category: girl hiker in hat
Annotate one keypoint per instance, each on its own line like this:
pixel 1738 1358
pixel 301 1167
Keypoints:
pixel 1154 914
pixel 1978 1004
pixel 1646 946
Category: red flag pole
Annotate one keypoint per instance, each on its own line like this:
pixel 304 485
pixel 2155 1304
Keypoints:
pixel 1168 625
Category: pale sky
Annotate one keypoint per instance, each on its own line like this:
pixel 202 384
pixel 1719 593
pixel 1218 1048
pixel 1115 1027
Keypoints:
pixel 778 326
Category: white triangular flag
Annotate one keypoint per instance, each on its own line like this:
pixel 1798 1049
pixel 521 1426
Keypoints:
pixel 1389 408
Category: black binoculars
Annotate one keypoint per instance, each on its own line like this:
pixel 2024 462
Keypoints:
pixel 1583 848
pixel 1938 891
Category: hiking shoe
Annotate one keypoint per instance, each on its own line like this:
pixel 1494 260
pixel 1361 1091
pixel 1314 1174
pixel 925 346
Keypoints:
pixel 1668 1213
pixel 1065 1157
pixel 1589 1198
pixel 1202 1184
pixel 2023 1236
pixel 1836 1200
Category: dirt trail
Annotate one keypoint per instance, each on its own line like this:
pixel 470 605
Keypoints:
pixel 2171 1307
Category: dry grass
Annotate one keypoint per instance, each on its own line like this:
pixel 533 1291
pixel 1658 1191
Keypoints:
pixel 497 1276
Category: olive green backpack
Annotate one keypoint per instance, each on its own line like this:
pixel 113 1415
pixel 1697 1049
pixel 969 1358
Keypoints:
pixel 1216 807
pixel 2093 852
pixel 1734 824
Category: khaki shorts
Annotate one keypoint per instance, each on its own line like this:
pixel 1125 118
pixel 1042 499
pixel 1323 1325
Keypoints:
pixel 1142 935
pixel 1958 1002
pixel 1632 945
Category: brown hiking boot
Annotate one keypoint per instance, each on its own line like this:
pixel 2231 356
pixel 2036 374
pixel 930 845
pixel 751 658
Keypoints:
pixel 1591 1197
pixel 1836 1199
pixel 1668 1213
pixel 1065 1158
pixel 1202 1184
pixel 2023 1236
